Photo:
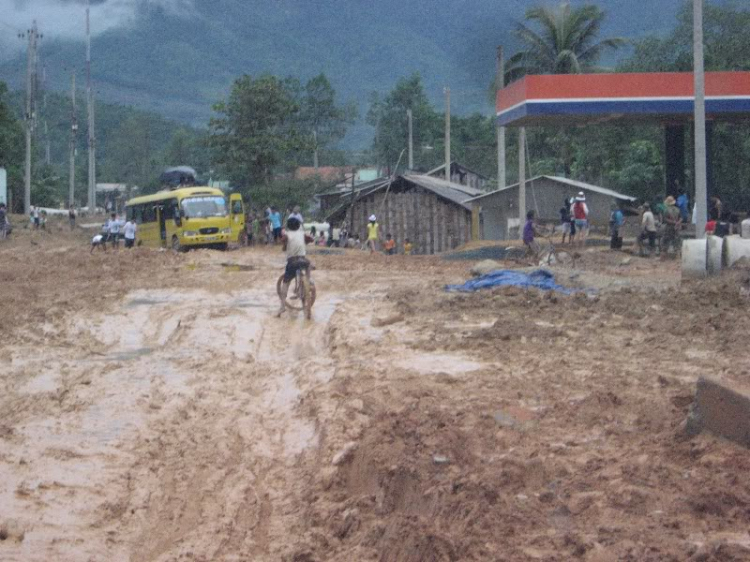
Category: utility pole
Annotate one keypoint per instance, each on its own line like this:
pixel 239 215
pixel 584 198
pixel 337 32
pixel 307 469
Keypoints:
pixel 73 133
pixel 315 150
pixel 701 180
pixel 90 113
pixel 500 81
pixel 447 134
pixel 521 178
pixel 32 35
pixel 47 155
pixel 411 139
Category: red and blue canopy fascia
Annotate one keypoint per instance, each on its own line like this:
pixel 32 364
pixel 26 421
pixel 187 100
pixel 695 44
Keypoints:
pixel 654 97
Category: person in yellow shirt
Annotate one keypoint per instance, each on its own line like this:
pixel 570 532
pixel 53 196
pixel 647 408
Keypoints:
pixel 373 235
pixel 407 247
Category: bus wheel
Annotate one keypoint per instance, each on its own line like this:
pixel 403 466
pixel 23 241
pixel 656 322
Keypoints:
pixel 176 246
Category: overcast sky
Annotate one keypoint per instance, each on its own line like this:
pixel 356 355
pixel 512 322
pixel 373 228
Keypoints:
pixel 66 18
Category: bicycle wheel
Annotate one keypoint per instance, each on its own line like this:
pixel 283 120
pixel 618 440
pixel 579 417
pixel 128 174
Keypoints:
pixel 287 302
pixel 306 295
pixel 561 257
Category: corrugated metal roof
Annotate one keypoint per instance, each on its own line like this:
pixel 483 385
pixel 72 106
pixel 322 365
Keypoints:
pixel 454 192
pixel 344 191
pixel 461 166
pixel 581 186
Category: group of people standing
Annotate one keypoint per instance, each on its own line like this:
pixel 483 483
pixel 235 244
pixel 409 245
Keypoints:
pixel 111 232
pixel 389 245
pixel 574 219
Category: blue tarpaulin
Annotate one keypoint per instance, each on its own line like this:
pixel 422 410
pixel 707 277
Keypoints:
pixel 539 279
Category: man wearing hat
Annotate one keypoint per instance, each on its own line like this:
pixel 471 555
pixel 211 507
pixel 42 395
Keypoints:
pixel 672 222
pixel 581 216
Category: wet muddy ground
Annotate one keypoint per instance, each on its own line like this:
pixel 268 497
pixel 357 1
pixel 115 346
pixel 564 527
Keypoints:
pixel 155 410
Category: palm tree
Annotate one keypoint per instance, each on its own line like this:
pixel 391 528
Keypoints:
pixel 565 42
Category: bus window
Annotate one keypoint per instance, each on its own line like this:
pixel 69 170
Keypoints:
pixel 237 207
pixel 149 213
pixel 204 206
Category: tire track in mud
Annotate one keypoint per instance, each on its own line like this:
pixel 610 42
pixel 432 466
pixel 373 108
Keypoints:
pixel 255 405
pixel 179 437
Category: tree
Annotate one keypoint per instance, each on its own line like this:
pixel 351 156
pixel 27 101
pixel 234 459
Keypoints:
pixel 641 173
pixel 188 147
pixel 132 155
pixel 565 41
pixel 324 121
pixel 11 146
pixel 256 128
pixel 388 116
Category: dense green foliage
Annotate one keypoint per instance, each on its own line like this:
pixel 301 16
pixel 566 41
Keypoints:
pixel 132 147
pixel 473 138
pixel 268 126
pixel 257 129
pixel 11 142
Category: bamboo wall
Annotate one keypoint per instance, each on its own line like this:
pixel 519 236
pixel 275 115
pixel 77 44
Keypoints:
pixel 432 224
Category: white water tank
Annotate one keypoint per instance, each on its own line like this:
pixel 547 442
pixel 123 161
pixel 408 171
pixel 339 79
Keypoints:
pixel 745 228
pixel 735 248
pixel 714 252
pixel 694 258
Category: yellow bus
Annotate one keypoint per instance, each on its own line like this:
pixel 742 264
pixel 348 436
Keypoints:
pixel 189 217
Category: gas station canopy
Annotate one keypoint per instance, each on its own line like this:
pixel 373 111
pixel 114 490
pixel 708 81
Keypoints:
pixel 581 99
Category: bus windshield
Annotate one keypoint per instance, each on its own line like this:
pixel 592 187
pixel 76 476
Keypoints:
pixel 202 207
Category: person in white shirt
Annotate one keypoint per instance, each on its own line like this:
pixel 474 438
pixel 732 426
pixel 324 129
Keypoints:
pixel 648 227
pixel 129 231
pixel 114 231
pixel 98 240
pixel 293 243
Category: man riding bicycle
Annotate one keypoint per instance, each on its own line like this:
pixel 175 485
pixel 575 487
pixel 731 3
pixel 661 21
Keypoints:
pixel 293 243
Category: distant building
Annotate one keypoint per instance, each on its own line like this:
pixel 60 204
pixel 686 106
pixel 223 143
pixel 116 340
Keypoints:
pixel 112 196
pixel 462 175
pixel 500 216
pixel 430 212
pixel 326 174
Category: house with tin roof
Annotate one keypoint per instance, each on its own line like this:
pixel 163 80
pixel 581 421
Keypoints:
pixel 545 195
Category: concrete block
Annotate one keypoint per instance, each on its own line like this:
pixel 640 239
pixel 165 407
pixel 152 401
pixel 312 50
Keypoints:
pixel 721 409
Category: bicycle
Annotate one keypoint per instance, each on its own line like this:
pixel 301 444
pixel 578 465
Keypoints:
pixel 304 291
pixel 550 255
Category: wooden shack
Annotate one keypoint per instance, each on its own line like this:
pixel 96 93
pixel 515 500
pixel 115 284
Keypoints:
pixel 428 211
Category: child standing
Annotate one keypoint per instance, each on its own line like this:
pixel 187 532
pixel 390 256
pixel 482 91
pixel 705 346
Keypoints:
pixel 390 245
pixel 407 247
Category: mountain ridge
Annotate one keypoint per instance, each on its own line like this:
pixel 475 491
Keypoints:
pixel 179 65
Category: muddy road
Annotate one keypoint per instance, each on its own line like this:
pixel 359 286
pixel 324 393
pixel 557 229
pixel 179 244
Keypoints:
pixel 155 410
